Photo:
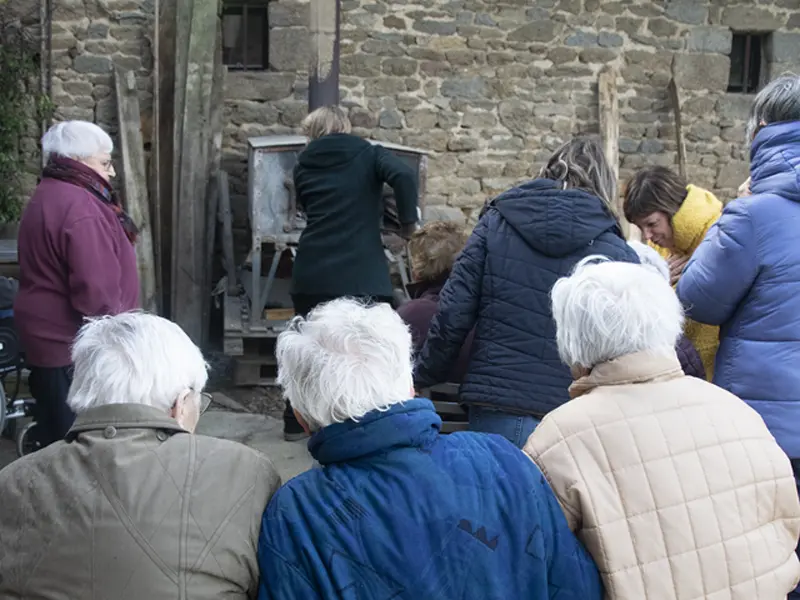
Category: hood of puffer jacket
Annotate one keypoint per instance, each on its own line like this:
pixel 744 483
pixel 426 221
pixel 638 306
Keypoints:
pixel 775 161
pixel 331 151
pixel 554 221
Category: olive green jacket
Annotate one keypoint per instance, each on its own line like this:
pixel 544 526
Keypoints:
pixel 132 507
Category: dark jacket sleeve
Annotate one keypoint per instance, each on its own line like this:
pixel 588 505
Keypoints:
pixel 457 313
pixel 689 357
pixel 417 314
pixel 402 180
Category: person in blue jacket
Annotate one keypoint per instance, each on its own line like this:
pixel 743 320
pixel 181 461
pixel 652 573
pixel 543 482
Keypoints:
pixel 527 239
pixel 745 276
pixel 398 510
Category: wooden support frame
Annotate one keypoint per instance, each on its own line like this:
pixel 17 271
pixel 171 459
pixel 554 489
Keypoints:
pixel 608 99
pixel 675 103
pixel 134 178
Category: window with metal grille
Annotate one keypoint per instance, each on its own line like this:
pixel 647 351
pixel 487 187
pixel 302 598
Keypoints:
pixel 245 35
pixel 747 51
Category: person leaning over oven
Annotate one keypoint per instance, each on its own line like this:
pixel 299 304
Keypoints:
pixel 339 181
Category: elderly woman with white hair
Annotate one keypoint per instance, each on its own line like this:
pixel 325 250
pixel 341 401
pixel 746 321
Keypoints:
pixel 398 510
pixel 132 504
pixel 675 486
pixel 77 260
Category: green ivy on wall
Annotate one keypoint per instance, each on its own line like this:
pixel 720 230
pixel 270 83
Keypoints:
pixel 22 106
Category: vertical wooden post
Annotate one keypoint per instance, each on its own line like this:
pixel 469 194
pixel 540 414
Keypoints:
pixel 675 101
pixel 323 72
pixel 609 127
pixel 135 177
pixel 155 162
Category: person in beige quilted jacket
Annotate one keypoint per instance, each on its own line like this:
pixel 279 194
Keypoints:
pixel 133 505
pixel 675 486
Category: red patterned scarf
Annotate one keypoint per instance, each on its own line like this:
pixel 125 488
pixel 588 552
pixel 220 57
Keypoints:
pixel 76 173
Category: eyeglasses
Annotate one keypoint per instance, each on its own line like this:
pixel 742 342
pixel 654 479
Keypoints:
pixel 205 401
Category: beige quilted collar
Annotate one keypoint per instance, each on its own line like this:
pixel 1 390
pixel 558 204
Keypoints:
pixel 633 368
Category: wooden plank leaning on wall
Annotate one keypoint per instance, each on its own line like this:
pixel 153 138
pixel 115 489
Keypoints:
pixel 135 182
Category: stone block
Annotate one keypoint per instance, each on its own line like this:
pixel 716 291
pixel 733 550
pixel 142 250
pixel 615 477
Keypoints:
pixel 734 106
pixel 751 18
pixel 441 212
pixel 394 22
pixel 538 31
pixel 651 147
pixel 732 174
pixel 710 39
pixel 702 131
pixel 246 111
pixel 597 55
pixel 288 49
pixel 516 115
pixel 562 55
pixel 462 143
pixel 607 39
pixel 383 48
pixel 702 71
pixel 288 14
pixel 435 27
pixel 467 88
pixel 662 27
pixel 360 65
pixel 265 86
pixel 628 146
pixel 629 25
pixel 688 11
pixel 390 119
pixel 88 63
pixel 402 67
pixel 361 117
pixel 98 30
pixel 784 47
pixel 582 38
pixel 479 120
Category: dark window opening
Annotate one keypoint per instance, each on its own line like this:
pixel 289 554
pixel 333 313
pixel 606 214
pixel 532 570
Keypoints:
pixel 245 36
pixel 746 58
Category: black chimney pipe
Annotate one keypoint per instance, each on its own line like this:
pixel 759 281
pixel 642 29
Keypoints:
pixel 323 72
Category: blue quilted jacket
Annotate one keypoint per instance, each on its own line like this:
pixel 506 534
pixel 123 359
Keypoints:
pixel 745 277
pixel 398 511
pixel 529 237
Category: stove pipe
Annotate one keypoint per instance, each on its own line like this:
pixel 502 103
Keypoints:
pixel 323 72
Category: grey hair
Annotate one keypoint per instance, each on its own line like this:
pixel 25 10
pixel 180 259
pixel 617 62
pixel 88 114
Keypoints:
pixel 581 163
pixel 137 358
pixel 344 360
pixel 779 101
pixel 606 310
pixel 77 140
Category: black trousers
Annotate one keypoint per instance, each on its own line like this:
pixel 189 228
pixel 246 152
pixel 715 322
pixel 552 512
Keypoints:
pixel 49 387
pixel 304 304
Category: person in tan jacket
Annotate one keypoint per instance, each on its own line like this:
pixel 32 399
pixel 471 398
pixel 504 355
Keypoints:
pixel 675 486
pixel 132 505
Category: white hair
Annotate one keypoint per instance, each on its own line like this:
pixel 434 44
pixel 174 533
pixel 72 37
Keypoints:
pixel 134 357
pixel 344 360
pixel 77 140
pixel 649 257
pixel 606 309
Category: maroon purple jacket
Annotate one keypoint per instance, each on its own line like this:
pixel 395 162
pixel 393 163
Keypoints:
pixel 75 261
pixel 418 313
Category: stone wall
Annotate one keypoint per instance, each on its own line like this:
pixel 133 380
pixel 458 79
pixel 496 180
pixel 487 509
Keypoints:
pixel 89 37
pixel 491 87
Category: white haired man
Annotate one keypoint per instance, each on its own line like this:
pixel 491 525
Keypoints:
pixel 398 510
pixel 675 486
pixel 132 504
pixel 76 259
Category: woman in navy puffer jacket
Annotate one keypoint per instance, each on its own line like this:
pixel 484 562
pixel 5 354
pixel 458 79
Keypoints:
pixel 528 238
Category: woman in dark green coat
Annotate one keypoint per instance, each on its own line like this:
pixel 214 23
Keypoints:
pixel 339 181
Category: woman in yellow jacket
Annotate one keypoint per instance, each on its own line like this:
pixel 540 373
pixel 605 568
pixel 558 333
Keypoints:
pixel 674 217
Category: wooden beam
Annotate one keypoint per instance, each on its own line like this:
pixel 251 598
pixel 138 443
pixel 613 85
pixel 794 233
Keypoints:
pixel 226 219
pixel 608 98
pixel 675 102
pixel 194 77
pixel 135 181
pixel 155 161
pixel 163 140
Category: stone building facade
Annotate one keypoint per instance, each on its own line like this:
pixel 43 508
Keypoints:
pixel 490 87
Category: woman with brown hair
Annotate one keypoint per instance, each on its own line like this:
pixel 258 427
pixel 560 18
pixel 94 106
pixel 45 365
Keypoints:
pixel 674 217
pixel 500 285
